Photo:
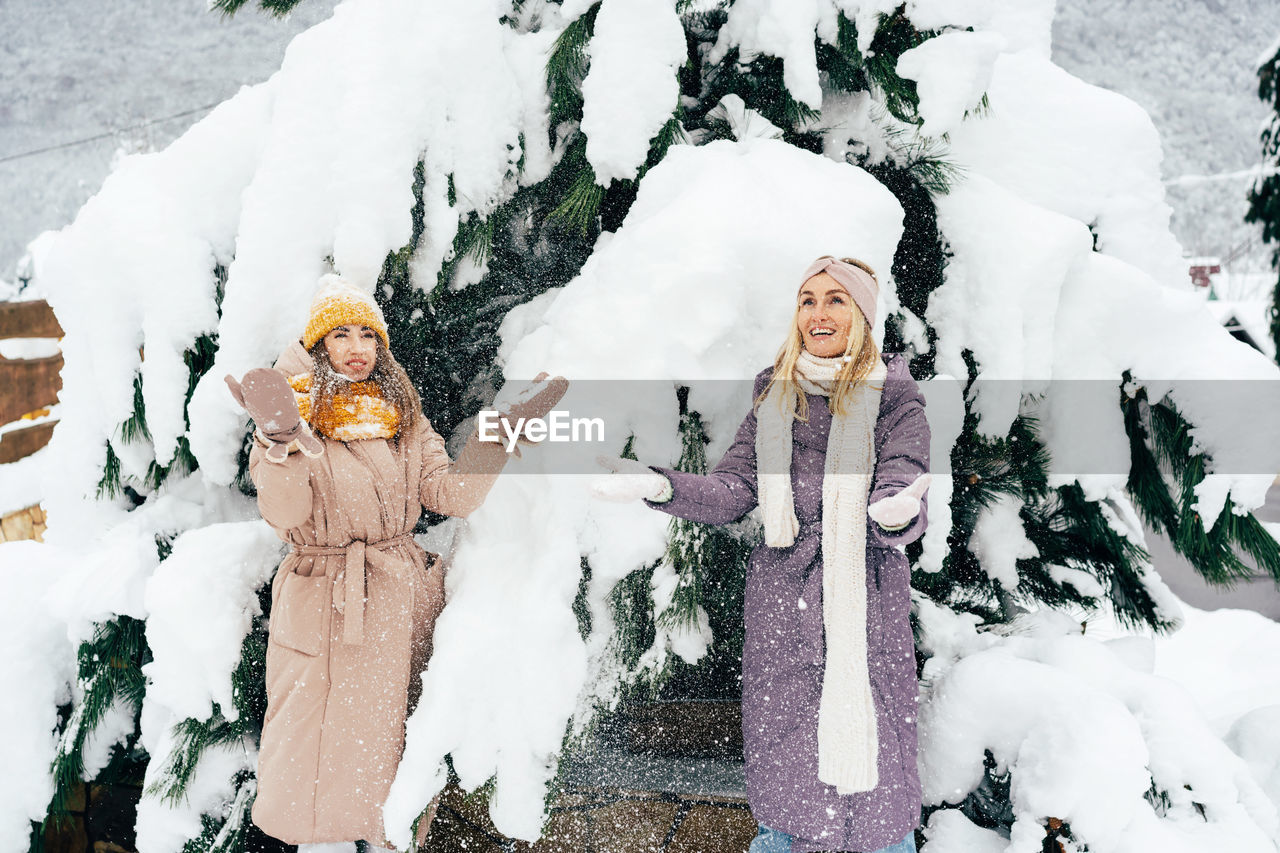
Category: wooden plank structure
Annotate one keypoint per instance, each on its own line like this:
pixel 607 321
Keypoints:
pixel 27 385
pixel 21 443
pixel 32 319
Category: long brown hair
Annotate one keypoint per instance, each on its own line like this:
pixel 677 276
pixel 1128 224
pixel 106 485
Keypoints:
pixel 855 369
pixel 395 385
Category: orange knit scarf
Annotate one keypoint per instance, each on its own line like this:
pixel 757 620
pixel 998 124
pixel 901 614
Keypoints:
pixel 359 411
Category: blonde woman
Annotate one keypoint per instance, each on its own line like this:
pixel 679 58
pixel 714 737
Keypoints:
pixel 344 464
pixel 835 452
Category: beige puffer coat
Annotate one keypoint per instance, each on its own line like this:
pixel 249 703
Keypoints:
pixel 353 608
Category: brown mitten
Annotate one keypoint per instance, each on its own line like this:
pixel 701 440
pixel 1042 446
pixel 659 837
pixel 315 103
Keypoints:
pixel 536 400
pixel 265 394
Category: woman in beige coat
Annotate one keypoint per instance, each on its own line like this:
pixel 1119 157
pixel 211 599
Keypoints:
pixel 343 477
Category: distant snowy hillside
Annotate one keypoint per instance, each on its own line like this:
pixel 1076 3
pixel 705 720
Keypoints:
pixel 78 69
pixel 1191 65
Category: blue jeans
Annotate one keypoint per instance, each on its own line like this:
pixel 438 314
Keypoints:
pixel 773 841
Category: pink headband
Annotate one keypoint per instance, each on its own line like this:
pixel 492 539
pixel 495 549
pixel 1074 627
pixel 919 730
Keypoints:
pixel 860 284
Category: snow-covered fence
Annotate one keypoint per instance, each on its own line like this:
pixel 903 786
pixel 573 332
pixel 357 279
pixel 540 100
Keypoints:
pixel 30 377
pixel 26 384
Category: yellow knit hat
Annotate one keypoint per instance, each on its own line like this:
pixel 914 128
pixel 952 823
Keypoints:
pixel 338 302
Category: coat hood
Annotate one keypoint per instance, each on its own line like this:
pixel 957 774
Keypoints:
pixel 294 360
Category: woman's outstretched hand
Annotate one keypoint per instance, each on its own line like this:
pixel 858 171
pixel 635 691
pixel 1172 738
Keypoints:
pixel 898 510
pixel 535 400
pixel 629 481
pixel 265 394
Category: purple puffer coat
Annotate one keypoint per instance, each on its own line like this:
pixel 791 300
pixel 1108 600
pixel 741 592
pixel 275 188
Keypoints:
pixel 783 655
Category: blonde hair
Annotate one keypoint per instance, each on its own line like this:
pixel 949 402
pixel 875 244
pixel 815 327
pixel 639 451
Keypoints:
pixel 856 368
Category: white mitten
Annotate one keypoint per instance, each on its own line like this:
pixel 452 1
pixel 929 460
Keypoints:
pixel 630 481
pixel 898 510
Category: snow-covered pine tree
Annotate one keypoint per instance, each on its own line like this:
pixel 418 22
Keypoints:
pixel 505 170
pixel 1264 195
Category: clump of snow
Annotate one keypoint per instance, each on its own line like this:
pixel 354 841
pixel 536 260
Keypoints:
pixel 630 89
pixel 999 540
pixel 734 283
pixel 201 602
pixel 1084 735
pixel 520 581
pixel 1255 737
pixel 28 347
pixel 781 28
pixel 1025 25
pixel 949 831
pixel 952 72
pixel 1226 660
pixel 1078 150
pixel 1229 660
pixel 112 572
pixel 1084 583
pixel 744 122
pixel 612 556
pixel 866 15
pixel 688 642
pixel 37 672
pixel 165 825
pixel 1112 317
pixel 944 407
pixel 1023 273
pixel 1010 259
pixel 21 482
pixel 135 273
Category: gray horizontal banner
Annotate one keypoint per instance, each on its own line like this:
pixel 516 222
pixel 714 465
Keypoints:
pixel 1235 423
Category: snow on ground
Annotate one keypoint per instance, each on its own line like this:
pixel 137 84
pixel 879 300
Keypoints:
pixel 1086 726
pixel 1229 660
pixel 1250 316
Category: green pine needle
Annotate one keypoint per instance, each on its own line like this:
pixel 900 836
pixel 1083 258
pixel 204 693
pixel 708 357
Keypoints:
pixel 192 737
pixel 567 67
pixel 110 671
pixel 277 8
pixel 1163 477
pixel 109 485
pixel 581 204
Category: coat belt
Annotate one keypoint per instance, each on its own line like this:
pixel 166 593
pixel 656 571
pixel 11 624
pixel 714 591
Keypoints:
pixel 351 588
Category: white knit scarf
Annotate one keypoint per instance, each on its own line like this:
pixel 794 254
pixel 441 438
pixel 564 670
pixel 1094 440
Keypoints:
pixel 847 740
